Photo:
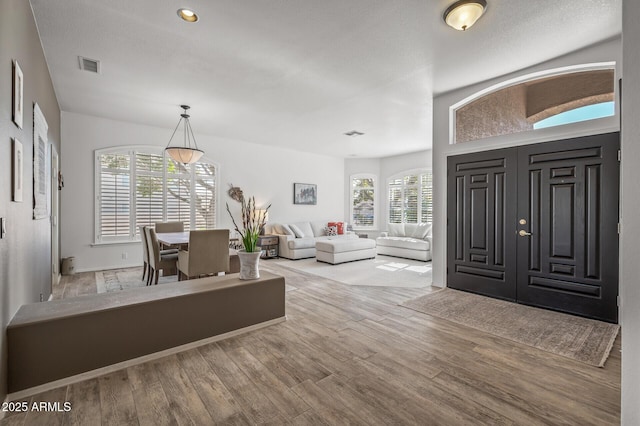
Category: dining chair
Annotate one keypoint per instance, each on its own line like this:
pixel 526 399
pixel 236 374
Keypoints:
pixel 145 252
pixel 159 260
pixel 162 227
pixel 208 254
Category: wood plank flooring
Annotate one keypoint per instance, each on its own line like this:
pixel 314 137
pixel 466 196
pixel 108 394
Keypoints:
pixel 346 355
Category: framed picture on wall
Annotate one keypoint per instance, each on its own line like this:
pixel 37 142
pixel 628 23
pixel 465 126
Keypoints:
pixel 305 193
pixel 18 95
pixel 17 168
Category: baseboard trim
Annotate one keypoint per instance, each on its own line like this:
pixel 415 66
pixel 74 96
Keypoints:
pixel 135 361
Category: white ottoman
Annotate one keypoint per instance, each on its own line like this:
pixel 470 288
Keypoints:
pixel 347 250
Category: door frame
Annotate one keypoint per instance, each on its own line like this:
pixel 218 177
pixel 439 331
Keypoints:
pixel 55 218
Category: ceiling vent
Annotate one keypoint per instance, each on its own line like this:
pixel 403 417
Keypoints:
pixel 89 65
pixel 354 133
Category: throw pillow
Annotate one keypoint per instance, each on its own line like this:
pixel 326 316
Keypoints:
pixel 339 225
pixel 421 231
pixel 396 229
pixel 331 231
pixel 286 230
pixel 298 233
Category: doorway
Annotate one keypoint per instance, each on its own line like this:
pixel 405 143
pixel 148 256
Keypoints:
pixel 538 224
pixel 55 228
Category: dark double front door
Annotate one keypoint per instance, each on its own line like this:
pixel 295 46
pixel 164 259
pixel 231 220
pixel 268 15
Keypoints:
pixel 538 224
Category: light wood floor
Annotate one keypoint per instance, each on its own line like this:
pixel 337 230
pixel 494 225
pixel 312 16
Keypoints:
pixel 346 355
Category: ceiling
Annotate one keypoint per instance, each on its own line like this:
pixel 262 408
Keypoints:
pixel 299 73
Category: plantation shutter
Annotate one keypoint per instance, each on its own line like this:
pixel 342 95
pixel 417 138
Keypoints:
pixel 395 201
pixel 205 189
pixel 149 189
pixel 426 187
pixel 114 196
pixel 411 198
pixel 178 193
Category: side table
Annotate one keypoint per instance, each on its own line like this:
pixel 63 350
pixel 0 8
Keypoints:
pixel 269 244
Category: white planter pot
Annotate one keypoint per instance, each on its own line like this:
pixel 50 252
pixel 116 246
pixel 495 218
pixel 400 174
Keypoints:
pixel 249 265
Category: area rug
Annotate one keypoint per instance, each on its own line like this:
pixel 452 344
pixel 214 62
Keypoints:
pixel 383 271
pixel 121 279
pixel 582 339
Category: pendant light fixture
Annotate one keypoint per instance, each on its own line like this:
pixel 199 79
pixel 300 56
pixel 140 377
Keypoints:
pixel 187 153
pixel 462 14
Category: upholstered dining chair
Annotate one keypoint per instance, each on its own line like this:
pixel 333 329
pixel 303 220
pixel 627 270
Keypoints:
pixel 145 252
pixel 208 254
pixel 159 260
pixel 162 227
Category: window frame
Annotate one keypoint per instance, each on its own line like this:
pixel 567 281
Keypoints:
pixel 375 200
pixel 610 65
pixel 131 150
pixel 419 172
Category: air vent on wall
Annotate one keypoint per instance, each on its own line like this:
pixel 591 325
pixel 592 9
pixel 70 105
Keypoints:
pixel 90 65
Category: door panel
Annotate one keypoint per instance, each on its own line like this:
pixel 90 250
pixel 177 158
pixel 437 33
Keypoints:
pixel 538 224
pixel 482 257
pixel 568 194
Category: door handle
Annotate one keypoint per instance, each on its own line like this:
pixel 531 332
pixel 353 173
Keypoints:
pixel 524 233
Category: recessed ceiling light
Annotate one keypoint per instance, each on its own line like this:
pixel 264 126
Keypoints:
pixel 354 133
pixel 188 15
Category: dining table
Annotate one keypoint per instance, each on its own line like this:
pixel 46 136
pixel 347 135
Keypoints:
pixel 180 240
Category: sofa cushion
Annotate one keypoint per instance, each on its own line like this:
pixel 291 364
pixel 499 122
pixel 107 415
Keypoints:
pixel 301 243
pixel 404 242
pixel 304 227
pixel 396 229
pixel 286 230
pixel 417 230
pixel 296 231
pixel 318 228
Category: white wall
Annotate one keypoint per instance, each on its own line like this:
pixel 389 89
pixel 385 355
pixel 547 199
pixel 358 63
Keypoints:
pixel 604 52
pixel 264 172
pixel 383 168
pixel 630 235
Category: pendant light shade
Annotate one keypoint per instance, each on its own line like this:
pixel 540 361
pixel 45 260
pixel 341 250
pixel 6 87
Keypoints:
pixel 462 14
pixel 188 152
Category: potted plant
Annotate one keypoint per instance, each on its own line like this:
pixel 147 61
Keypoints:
pixel 253 220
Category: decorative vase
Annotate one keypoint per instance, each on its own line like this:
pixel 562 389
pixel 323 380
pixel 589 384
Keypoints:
pixel 249 263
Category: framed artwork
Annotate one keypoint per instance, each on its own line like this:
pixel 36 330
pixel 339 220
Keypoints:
pixel 41 181
pixel 18 94
pixel 18 170
pixel 305 193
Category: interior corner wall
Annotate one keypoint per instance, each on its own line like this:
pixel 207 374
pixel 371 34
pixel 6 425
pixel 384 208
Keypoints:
pixel 265 172
pixel 383 168
pixel 25 251
pixel 610 50
pixel 630 203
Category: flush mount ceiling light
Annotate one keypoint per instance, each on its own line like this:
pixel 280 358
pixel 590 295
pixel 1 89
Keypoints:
pixel 188 15
pixel 185 154
pixel 462 14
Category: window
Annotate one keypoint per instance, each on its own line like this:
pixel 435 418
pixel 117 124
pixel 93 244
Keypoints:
pixel 411 197
pixel 589 112
pixel 140 186
pixel 543 99
pixel 363 204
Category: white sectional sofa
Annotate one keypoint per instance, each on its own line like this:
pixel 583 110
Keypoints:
pixel 301 247
pixel 408 240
